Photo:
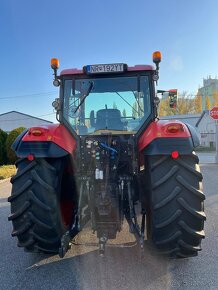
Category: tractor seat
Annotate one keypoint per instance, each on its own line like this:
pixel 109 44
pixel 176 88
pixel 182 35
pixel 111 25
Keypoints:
pixel 109 119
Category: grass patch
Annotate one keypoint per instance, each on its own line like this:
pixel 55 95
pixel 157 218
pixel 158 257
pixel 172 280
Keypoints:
pixel 7 171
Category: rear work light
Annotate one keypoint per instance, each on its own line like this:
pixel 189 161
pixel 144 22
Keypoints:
pixel 175 128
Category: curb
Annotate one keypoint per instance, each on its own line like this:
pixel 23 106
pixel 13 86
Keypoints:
pixel 4 180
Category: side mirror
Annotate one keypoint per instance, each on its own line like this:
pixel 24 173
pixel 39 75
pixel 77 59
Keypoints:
pixel 92 119
pixel 173 96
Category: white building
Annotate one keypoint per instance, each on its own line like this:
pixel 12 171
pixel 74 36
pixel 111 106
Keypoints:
pixel 13 119
pixel 191 119
pixel 206 126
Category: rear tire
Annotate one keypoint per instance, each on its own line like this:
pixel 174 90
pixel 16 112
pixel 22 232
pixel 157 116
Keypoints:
pixel 37 201
pixel 175 209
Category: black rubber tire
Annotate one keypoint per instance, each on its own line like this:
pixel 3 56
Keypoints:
pixel 175 209
pixel 35 204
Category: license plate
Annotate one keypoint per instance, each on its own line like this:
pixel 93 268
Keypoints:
pixel 105 68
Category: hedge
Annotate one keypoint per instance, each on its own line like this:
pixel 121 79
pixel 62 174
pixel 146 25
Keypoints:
pixel 3 153
pixel 10 139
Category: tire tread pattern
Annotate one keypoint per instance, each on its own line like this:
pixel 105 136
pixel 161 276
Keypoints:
pixel 37 223
pixel 176 211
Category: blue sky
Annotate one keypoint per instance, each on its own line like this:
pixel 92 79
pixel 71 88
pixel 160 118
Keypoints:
pixel 100 31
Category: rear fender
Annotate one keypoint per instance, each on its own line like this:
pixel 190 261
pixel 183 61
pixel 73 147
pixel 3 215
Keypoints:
pixel 157 140
pixel 195 137
pixel 45 141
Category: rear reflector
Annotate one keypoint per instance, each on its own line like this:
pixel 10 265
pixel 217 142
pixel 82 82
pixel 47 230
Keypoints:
pixel 30 157
pixel 175 154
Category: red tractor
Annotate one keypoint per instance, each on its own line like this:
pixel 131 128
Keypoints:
pixel 109 155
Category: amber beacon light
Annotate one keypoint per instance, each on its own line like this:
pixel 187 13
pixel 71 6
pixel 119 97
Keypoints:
pixel 55 66
pixel 156 56
pixel 156 59
pixel 54 63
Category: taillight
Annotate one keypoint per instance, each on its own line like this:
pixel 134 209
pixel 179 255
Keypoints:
pixel 175 128
pixel 36 132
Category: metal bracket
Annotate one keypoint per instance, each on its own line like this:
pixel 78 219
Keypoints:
pixel 102 243
pixel 65 244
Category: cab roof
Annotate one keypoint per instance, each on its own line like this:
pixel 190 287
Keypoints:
pixel 75 71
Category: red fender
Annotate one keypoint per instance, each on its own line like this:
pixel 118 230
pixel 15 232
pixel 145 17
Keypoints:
pixel 55 133
pixel 160 129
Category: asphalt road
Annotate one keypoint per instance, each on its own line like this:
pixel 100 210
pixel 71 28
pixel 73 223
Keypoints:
pixel 125 265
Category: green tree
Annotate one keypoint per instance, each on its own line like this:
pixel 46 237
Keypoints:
pixel 140 108
pixel 185 105
pixel 124 113
pixel 114 105
pixel 134 110
pixel 198 103
pixel 208 107
pixel 215 99
pixel 3 153
pixel 10 140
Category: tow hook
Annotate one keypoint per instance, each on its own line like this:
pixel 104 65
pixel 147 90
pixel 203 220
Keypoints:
pixel 102 243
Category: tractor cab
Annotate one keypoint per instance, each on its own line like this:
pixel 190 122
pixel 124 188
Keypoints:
pixel 111 103
pixel 110 98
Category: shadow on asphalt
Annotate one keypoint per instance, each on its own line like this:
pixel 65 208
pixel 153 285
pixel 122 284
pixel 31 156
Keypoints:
pixel 127 267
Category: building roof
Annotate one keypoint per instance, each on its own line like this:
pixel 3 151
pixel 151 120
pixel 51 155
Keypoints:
pixel 13 119
pixel 26 115
pixel 185 116
pixel 191 119
pixel 201 117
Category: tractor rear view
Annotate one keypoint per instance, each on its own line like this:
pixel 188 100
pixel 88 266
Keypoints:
pixel 108 155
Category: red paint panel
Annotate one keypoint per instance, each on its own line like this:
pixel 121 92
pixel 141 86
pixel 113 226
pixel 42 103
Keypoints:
pixel 158 129
pixel 55 133
pixel 73 71
pixel 140 67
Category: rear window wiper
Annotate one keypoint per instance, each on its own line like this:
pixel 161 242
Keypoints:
pixel 83 97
